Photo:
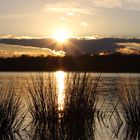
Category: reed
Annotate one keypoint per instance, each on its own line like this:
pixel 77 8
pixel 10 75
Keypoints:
pixel 11 116
pixel 76 120
pixel 43 107
pixel 129 95
pixel 80 106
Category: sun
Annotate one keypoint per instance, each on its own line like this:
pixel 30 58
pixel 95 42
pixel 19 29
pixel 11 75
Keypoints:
pixel 61 36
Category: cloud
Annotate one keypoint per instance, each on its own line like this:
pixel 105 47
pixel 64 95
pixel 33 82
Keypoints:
pixel 62 18
pixel 71 8
pixel 107 3
pixel 84 24
pixel 89 7
pixel 126 50
pixel 18 50
pixel 129 48
pixel 130 45
pixel 71 14
pixel 15 16
pixel 17 37
pixel 123 4
pixel 3 53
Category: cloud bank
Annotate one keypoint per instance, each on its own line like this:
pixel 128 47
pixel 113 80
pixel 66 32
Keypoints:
pixel 123 4
pixel 89 6
pixel 18 50
pixel 70 8
pixel 129 48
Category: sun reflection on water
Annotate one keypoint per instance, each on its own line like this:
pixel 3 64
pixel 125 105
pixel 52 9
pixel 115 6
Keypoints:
pixel 60 76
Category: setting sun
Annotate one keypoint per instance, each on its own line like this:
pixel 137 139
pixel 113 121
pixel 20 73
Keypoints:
pixel 61 36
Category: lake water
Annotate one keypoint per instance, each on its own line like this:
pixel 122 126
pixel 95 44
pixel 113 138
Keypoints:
pixel 109 123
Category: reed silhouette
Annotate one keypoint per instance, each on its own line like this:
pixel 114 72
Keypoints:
pixel 80 107
pixel 76 120
pixel 43 107
pixel 129 94
pixel 11 112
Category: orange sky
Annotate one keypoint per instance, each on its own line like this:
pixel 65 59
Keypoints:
pixel 80 18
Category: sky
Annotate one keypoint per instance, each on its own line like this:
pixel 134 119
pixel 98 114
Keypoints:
pixel 77 17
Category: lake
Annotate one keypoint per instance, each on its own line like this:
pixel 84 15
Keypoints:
pixel 110 119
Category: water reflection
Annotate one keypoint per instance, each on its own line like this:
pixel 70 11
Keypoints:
pixel 110 119
pixel 60 76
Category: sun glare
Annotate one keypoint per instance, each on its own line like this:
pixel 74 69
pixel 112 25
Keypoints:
pixel 61 36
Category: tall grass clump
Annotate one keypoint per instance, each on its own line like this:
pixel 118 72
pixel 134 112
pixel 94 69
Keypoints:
pixel 129 95
pixel 43 106
pixel 11 115
pixel 76 119
pixel 80 107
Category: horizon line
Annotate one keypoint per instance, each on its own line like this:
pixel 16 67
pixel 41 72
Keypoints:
pixel 10 36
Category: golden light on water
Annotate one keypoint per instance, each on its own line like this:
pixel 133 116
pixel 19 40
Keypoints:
pixel 60 77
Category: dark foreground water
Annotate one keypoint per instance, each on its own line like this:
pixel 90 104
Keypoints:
pixel 109 124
